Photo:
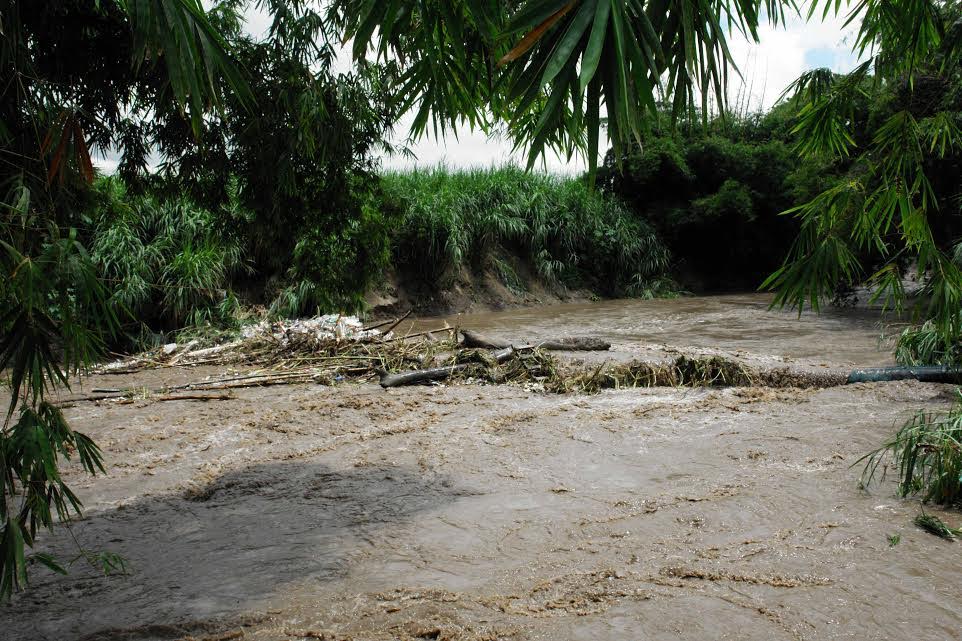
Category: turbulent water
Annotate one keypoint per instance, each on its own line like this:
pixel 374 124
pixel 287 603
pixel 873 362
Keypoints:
pixel 842 337
pixel 494 512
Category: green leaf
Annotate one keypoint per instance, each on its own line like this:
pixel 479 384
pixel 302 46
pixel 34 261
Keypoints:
pixel 48 561
pixel 596 43
pixel 562 55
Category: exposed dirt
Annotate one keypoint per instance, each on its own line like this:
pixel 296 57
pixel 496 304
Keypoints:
pixel 468 291
pixel 493 512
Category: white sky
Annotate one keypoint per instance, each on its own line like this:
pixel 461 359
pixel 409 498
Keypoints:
pixel 767 68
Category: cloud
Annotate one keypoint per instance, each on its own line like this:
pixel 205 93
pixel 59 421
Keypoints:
pixel 470 149
pixel 108 163
pixel 784 53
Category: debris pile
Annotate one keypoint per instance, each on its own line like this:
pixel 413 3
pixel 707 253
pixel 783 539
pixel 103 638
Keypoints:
pixel 340 341
pixel 315 330
pixel 333 348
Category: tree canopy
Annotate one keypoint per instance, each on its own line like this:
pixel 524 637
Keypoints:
pixel 554 72
pixel 893 123
pixel 547 70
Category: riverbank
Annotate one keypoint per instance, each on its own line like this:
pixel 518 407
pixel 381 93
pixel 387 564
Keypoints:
pixel 433 241
pixel 467 293
pixel 498 512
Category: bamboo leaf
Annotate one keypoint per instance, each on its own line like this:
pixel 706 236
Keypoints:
pixel 532 38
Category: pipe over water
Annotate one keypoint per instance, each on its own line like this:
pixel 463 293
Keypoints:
pixel 924 373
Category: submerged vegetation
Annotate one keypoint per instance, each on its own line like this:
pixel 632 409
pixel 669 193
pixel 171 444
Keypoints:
pixel 934 525
pixel 927 452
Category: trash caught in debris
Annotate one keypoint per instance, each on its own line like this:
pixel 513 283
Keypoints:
pixel 317 329
pixel 284 344
pixel 334 348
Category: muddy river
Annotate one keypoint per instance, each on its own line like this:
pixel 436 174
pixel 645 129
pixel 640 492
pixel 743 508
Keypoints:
pixel 494 512
pixel 738 323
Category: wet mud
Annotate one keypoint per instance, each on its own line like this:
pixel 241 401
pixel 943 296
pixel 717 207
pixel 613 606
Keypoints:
pixel 497 512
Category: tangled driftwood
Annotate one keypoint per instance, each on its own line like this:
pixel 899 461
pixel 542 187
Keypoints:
pixel 414 377
pixel 327 350
pixel 506 350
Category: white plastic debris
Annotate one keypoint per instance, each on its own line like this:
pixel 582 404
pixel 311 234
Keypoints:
pixel 319 328
pixel 285 333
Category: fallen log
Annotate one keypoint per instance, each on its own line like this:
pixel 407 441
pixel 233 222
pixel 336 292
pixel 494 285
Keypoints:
pixel 568 343
pixel 164 393
pixel 417 376
pixel 130 395
pixel 575 344
pixel 258 380
pixel 194 397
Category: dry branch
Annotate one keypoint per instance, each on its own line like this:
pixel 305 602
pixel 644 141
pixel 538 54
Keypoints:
pixel 194 397
pixel 415 377
pixel 396 323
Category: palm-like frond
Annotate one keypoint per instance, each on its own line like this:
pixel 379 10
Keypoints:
pixel 566 68
pixel 884 208
pixel 196 57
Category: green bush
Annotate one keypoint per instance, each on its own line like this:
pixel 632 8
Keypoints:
pixel 569 235
pixel 333 269
pixel 715 195
pixel 167 264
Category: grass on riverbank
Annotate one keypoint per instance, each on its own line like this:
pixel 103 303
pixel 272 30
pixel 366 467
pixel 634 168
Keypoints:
pixel 171 263
pixel 567 234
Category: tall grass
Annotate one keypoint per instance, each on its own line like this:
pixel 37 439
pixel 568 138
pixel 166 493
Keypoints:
pixel 927 453
pixel 171 263
pixel 928 344
pixel 569 235
pixel 165 263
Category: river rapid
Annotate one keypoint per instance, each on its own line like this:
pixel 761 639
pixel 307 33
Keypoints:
pixel 470 512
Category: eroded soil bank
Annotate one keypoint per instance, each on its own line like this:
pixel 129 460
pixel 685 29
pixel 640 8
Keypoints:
pixel 493 512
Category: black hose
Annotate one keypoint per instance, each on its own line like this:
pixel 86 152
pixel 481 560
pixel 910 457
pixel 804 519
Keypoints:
pixel 924 373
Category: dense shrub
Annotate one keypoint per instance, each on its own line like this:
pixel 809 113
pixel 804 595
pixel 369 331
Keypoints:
pixel 168 263
pixel 332 268
pixel 715 196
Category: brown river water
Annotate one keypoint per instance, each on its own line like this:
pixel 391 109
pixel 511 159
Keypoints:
pixel 733 324
pixel 495 512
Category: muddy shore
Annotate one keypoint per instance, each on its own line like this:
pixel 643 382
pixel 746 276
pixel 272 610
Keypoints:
pixel 494 512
